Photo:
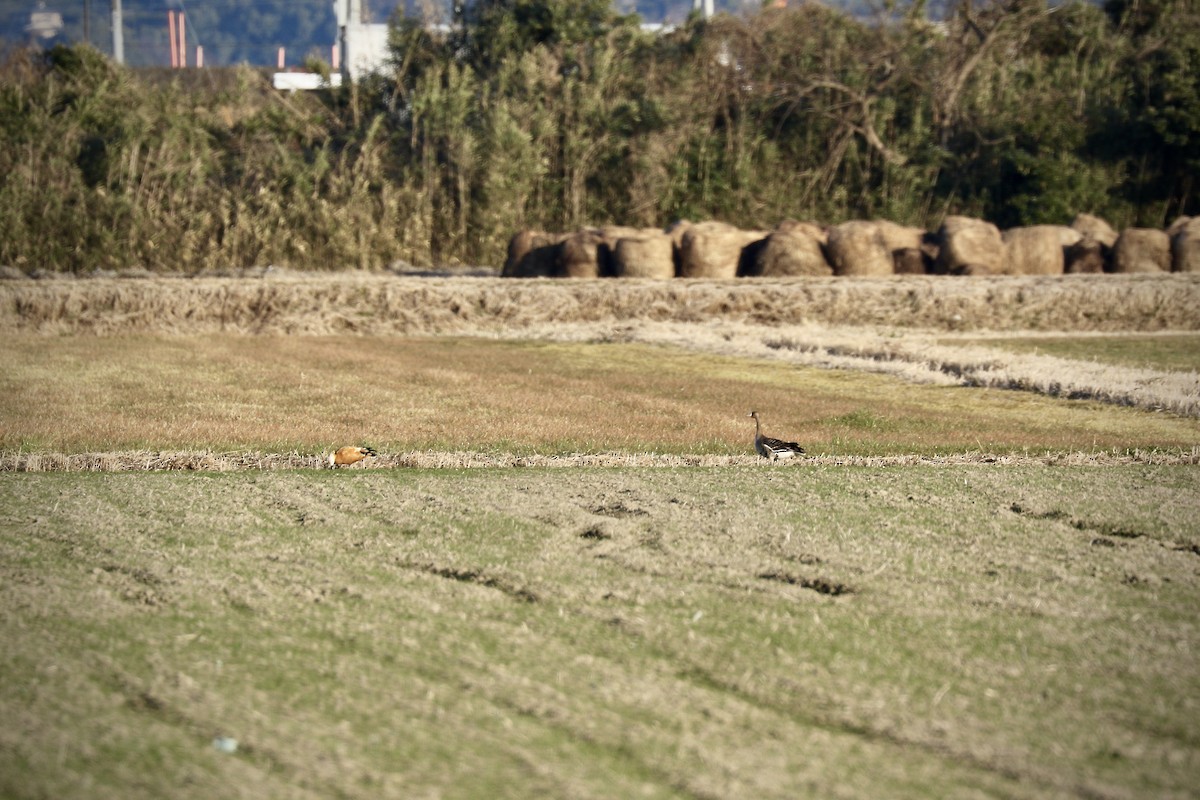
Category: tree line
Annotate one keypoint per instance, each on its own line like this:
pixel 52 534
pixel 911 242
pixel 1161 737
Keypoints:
pixel 556 114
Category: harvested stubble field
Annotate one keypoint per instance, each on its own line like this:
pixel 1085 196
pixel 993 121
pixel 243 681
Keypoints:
pixel 565 575
pixel 902 327
pixel 300 303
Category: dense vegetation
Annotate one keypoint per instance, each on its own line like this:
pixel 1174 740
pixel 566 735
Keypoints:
pixel 555 114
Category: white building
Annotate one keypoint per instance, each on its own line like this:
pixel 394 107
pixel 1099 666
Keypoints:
pixel 43 23
pixel 364 46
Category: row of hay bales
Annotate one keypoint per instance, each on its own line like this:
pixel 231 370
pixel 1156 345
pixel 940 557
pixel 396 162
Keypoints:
pixel 961 246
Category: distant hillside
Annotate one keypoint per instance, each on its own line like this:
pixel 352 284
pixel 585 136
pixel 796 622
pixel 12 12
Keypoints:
pixel 230 31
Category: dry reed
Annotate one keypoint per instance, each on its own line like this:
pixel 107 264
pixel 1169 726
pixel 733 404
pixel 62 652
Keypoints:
pixel 386 304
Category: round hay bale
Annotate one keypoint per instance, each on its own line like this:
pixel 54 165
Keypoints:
pixel 1178 225
pixel 644 256
pixel 970 270
pixel 1185 244
pixel 793 248
pixel 1142 250
pixel 810 229
pixel 520 244
pixel 610 235
pixel 1098 229
pixel 910 255
pixel 579 256
pixel 1085 257
pixel 676 230
pixel 532 254
pixel 858 247
pixel 911 261
pixel 713 250
pixel 1038 249
pixel 966 241
pixel 899 237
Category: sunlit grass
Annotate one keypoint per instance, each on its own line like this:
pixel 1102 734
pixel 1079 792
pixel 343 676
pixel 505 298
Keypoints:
pixel 1176 352
pixel 77 394
pixel 809 631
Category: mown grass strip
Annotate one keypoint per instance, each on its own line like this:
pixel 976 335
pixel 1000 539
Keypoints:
pixel 1177 352
pixel 308 394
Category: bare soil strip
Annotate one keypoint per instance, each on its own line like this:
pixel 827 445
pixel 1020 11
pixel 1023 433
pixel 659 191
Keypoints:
pixel 147 461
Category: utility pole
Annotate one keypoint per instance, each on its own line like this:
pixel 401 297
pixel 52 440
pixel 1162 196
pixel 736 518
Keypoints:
pixel 118 33
pixel 703 5
pixel 350 14
pixel 87 21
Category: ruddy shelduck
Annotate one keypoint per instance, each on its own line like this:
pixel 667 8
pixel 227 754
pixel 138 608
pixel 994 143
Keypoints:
pixel 345 456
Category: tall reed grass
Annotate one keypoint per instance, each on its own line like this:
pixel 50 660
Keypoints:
pixel 107 171
pixel 799 113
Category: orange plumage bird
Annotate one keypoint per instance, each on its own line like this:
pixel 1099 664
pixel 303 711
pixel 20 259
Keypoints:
pixel 345 456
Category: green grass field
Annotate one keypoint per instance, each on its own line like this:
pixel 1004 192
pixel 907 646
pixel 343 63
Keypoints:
pixel 1178 351
pixel 1005 629
pixel 793 631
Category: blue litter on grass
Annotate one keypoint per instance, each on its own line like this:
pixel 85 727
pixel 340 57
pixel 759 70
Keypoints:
pixel 225 744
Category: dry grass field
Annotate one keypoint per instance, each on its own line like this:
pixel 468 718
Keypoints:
pixel 309 394
pixel 588 366
pixel 301 303
pixel 566 575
